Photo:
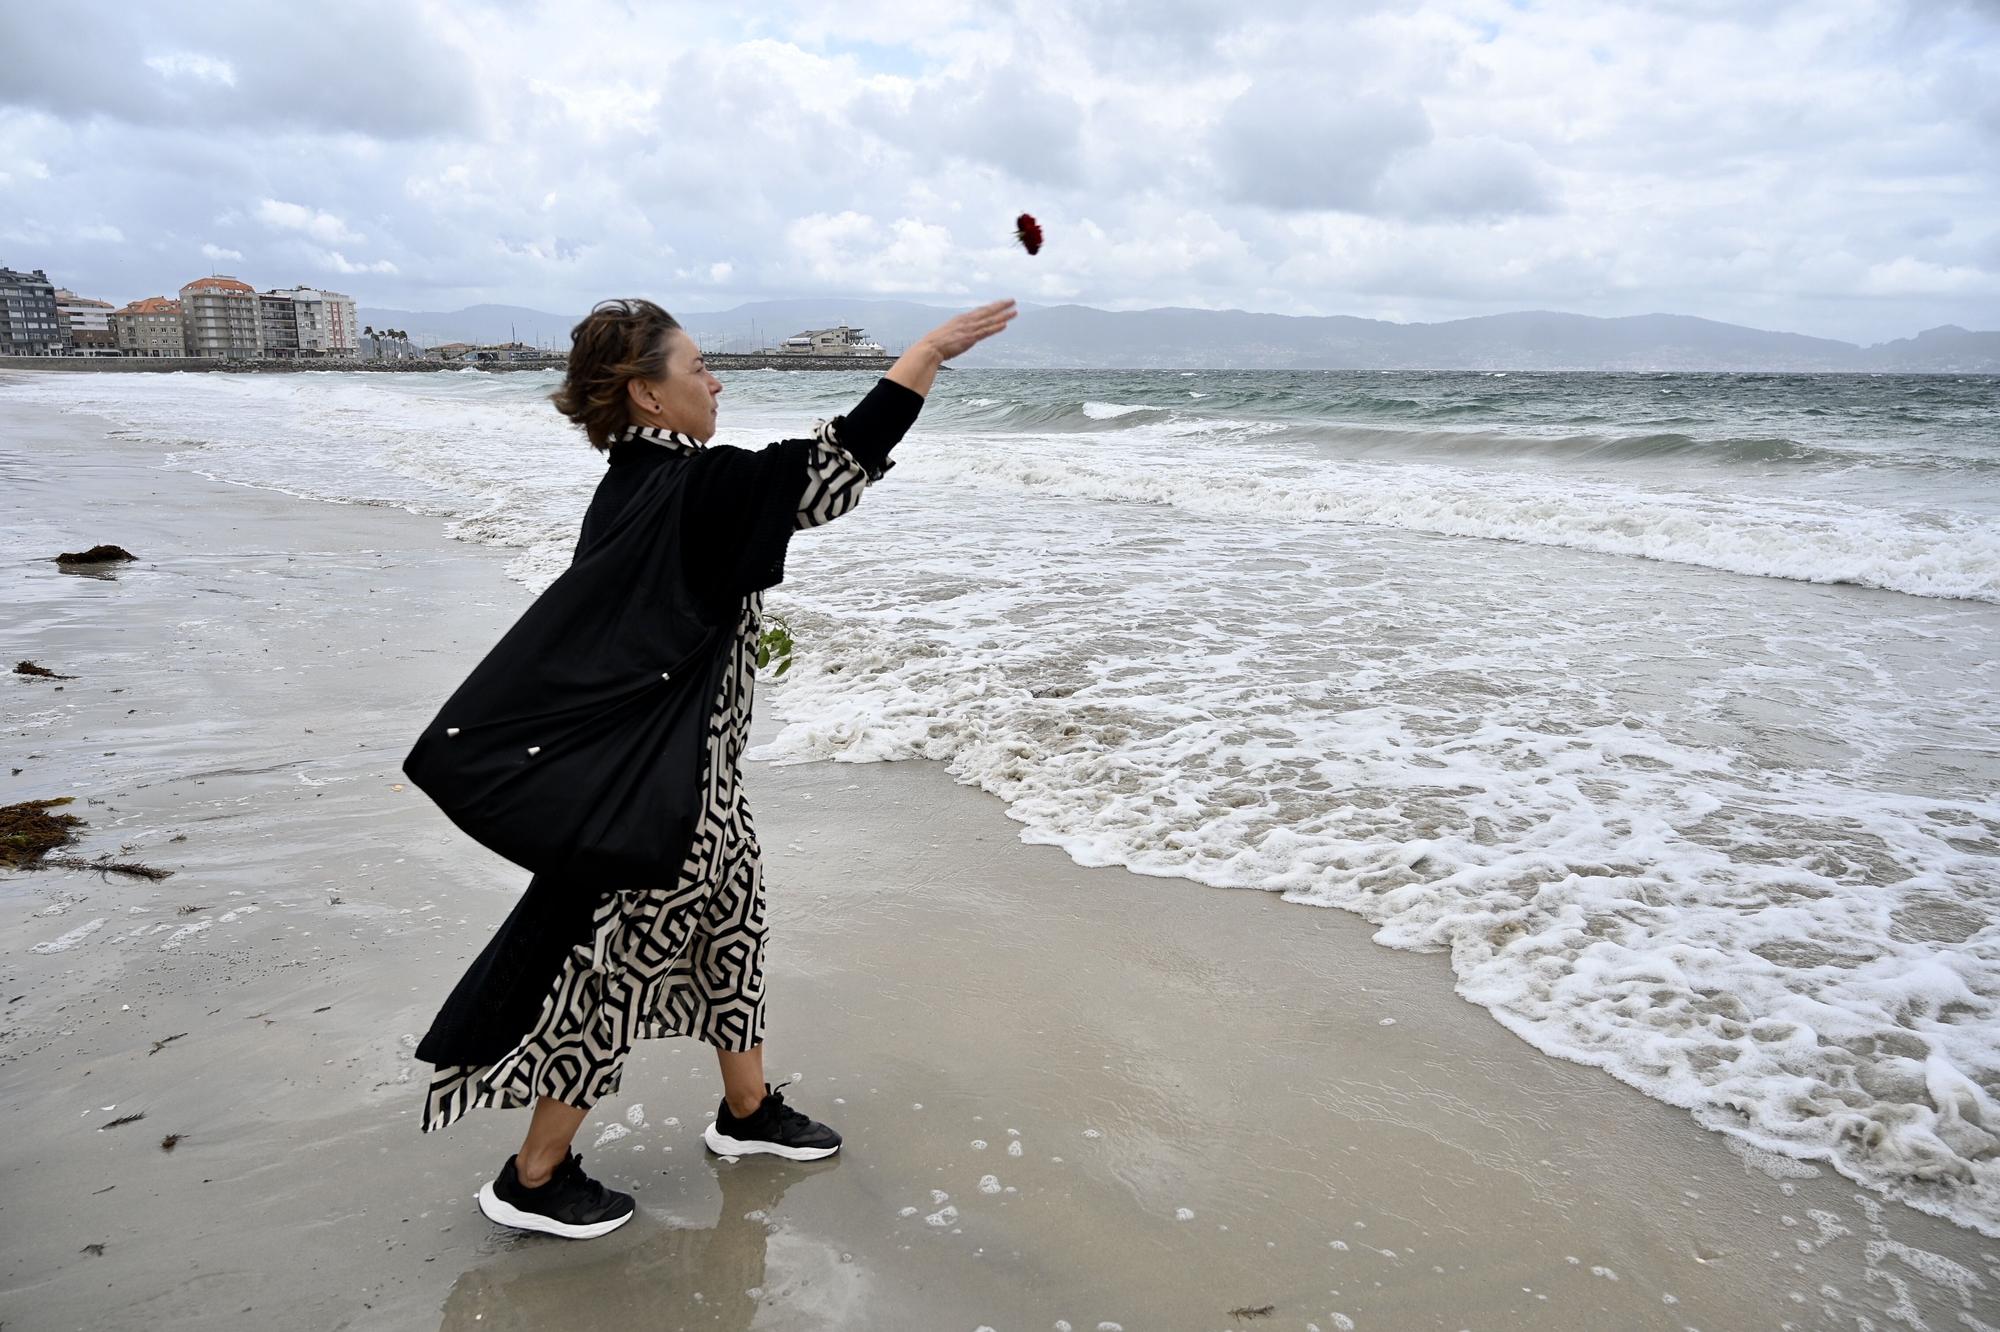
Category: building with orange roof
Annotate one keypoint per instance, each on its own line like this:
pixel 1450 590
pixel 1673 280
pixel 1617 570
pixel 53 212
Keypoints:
pixel 222 319
pixel 150 327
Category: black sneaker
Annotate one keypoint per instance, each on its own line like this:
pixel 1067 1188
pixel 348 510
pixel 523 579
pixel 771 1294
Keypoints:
pixel 775 1128
pixel 571 1204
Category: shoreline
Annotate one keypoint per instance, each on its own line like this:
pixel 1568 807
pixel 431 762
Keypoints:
pixel 1349 1140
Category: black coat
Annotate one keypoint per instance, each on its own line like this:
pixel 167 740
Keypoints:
pixel 671 545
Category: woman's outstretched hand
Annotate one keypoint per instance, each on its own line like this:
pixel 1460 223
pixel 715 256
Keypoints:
pixel 917 368
pixel 961 333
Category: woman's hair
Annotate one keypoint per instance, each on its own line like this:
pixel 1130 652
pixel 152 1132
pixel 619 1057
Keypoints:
pixel 618 341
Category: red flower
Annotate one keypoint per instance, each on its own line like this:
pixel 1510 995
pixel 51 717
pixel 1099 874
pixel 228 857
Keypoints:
pixel 1028 232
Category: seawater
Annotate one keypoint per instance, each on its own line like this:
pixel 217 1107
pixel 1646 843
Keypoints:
pixel 1667 705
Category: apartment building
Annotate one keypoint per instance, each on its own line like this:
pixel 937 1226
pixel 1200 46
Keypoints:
pixel 85 324
pixel 150 327
pixel 278 314
pixel 223 319
pixel 28 323
pixel 308 322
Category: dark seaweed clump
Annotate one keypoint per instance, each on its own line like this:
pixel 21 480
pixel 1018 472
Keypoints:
pixel 96 555
pixel 28 831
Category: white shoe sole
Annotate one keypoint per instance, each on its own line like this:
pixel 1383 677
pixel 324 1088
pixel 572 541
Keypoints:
pixel 723 1145
pixel 505 1214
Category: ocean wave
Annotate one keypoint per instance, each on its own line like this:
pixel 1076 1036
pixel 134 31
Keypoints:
pixel 1650 446
pixel 1926 555
pixel 1066 415
pixel 1387 426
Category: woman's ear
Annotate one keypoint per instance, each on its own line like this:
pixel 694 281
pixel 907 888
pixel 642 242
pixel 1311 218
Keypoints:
pixel 641 394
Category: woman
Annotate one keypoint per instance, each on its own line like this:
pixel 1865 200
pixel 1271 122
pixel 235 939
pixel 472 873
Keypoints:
pixel 580 970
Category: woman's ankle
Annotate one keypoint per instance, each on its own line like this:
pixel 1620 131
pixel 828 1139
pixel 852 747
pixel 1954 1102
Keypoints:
pixel 534 1171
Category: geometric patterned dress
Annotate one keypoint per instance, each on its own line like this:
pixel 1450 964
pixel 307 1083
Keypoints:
pixel 660 960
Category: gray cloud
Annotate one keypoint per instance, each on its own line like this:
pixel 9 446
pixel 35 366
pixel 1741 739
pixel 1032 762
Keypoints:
pixel 367 67
pixel 1005 117
pixel 1292 144
pixel 1831 165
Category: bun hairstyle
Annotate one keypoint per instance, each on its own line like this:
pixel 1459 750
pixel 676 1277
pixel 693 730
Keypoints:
pixel 617 342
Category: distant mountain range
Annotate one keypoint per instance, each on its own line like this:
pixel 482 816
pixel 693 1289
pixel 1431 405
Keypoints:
pixel 1080 337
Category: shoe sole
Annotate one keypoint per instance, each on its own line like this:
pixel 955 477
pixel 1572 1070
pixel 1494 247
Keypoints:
pixel 503 1213
pixel 723 1145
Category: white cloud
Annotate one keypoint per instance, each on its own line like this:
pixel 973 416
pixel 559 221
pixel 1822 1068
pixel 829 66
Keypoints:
pixel 337 262
pixel 194 66
pixel 102 233
pixel 324 227
pixel 211 250
pixel 905 256
pixel 1905 274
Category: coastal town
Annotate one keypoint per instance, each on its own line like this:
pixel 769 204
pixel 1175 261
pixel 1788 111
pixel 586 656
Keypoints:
pixel 215 317
pixel 220 321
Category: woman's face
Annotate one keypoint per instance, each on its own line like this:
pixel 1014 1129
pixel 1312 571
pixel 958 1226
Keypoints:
pixel 684 400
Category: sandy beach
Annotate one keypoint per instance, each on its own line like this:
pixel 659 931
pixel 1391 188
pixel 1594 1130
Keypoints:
pixel 1072 1098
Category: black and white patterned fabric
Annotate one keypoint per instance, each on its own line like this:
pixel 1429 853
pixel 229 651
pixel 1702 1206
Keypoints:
pixel 684 959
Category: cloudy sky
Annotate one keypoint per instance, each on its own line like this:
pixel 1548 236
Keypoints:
pixel 1829 166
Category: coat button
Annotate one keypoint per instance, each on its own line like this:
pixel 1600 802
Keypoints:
pixel 534 750
pixel 451 730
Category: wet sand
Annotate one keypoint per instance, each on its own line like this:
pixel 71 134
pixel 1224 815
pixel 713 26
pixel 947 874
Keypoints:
pixel 1068 1094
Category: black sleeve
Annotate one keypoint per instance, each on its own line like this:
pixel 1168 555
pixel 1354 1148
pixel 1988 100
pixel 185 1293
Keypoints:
pixel 737 520
pixel 742 506
pixel 878 423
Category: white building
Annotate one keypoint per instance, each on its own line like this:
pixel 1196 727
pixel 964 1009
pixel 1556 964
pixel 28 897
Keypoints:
pixel 838 341
pixel 86 324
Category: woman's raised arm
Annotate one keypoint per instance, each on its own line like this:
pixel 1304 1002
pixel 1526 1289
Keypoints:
pixel 916 368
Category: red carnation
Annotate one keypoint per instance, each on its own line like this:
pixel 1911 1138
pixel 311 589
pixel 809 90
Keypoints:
pixel 1028 232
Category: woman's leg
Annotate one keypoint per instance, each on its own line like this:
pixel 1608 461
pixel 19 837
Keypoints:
pixel 547 1144
pixel 742 1079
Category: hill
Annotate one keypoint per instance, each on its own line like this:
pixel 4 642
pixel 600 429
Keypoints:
pixel 1082 337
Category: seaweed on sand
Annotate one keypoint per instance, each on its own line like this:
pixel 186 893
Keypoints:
pixel 105 865
pixel 39 672
pixel 28 831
